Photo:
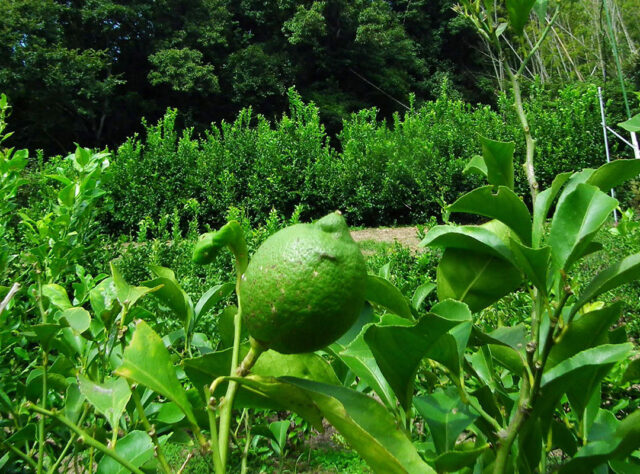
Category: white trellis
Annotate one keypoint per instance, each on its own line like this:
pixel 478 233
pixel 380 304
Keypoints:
pixel 633 143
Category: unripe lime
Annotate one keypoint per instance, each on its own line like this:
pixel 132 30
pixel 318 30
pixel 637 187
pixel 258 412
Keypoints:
pixel 304 286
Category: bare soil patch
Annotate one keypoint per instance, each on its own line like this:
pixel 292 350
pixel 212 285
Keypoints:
pixel 406 236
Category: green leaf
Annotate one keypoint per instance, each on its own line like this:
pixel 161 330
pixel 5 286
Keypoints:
pixel 576 222
pixel 169 413
pixel 43 333
pixel 279 430
pixel 446 415
pixel 540 7
pixel 453 461
pixel 104 301
pixel 398 350
pixel 227 325
pixel 534 263
pixel 613 174
pixel 365 424
pixel 147 362
pixel 476 165
pixel 474 238
pixel 57 295
pixel 543 203
pixel 616 444
pixel 518 11
pixel 127 294
pixel 632 372
pixel 171 294
pixel 212 297
pixel 136 447
pixel 498 157
pixel 358 357
pixel 205 369
pixel 109 398
pixel 421 294
pixel 581 374
pixel 76 318
pixel 27 433
pixel 618 274
pixel 503 205
pixel 631 125
pixel 73 402
pixel 383 293
pixel 476 279
pixel 583 333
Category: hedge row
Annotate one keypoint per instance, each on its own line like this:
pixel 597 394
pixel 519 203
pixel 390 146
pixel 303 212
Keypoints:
pixel 378 173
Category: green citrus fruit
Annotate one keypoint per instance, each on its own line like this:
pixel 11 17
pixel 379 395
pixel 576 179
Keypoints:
pixel 304 286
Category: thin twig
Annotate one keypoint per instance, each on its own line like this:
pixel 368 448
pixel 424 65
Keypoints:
pixel 5 302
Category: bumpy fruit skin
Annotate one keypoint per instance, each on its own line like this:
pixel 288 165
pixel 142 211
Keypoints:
pixel 304 286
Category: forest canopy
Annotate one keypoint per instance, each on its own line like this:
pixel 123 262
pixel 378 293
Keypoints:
pixel 88 71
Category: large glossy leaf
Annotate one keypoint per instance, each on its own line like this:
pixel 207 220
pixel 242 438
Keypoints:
pixel 534 263
pixel 631 125
pixel 518 12
pixel 136 447
pixel 398 350
pixel 618 274
pixel 477 279
pixel 618 440
pixel 503 205
pixel 446 415
pixel 127 294
pixel 498 158
pixel 581 374
pixel 170 293
pixel 212 297
pixel 147 362
pixel 365 424
pixel 576 222
pixel 109 398
pixel 474 238
pixel 543 203
pixel 614 173
pixel 383 293
pixel 358 357
pixel 583 333
pixel 453 461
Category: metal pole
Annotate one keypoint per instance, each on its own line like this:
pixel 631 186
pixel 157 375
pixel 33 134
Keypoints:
pixel 606 144
pixel 636 148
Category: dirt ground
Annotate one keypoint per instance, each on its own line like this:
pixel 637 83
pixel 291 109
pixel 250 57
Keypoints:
pixel 406 236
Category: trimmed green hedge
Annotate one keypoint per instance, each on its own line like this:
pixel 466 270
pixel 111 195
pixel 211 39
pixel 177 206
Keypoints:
pixel 376 172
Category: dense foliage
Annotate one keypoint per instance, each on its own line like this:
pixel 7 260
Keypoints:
pixel 88 71
pixel 379 172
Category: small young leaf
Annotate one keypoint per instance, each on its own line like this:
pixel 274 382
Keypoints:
pixel 57 295
pixel 147 362
pixel 518 11
pixel 618 274
pixel 421 294
pixel 503 205
pixel 383 293
pixel 498 157
pixel 576 221
pixel 477 279
pixel 136 447
pixel 76 318
pixel 446 415
pixel 212 297
pixel 109 398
